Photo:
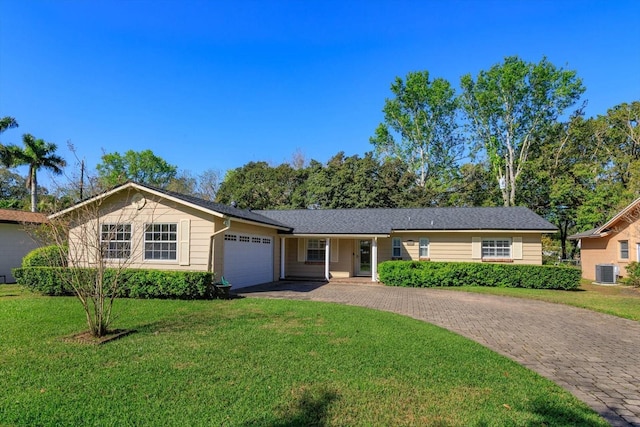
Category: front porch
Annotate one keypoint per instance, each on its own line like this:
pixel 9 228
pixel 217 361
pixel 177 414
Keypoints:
pixel 330 257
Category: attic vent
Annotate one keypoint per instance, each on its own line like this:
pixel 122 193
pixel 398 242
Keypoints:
pixel 606 273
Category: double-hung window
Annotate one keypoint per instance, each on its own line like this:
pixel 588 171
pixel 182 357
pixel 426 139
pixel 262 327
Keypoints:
pixel 424 248
pixel 115 241
pixel 496 248
pixel 160 241
pixel 396 247
pixel 624 249
pixel 316 250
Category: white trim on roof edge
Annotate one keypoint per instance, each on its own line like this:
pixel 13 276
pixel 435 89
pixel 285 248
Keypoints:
pixel 138 187
pixel 620 214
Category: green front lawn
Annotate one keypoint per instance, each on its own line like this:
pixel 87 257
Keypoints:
pixel 254 362
pixel 622 301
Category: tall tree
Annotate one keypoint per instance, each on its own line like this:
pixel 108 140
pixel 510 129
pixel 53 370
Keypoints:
pixel 13 194
pixel 208 184
pixel 257 185
pixel 36 154
pixel 511 104
pixel 421 129
pixel 143 167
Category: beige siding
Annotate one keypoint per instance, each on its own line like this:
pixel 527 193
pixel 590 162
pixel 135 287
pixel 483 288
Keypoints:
pixel 84 238
pixel 606 250
pixel 15 243
pixel 442 247
pixel 295 268
pixel 457 246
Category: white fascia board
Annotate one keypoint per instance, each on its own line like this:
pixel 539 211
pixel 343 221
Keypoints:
pixel 620 214
pixel 93 199
pixel 141 188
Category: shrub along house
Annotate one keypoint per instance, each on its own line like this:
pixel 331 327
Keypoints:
pixel 158 229
pixel 605 251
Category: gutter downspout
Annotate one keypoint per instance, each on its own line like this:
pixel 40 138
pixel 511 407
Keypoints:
pixel 227 225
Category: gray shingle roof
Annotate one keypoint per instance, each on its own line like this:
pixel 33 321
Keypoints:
pixel 221 208
pixel 383 221
pixel 367 221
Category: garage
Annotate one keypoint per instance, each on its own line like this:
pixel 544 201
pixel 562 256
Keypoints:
pixel 248 259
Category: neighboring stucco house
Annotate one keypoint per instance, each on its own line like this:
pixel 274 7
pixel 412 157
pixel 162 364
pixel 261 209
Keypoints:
pixel 158 229
pixel 15 241
pixel 615 243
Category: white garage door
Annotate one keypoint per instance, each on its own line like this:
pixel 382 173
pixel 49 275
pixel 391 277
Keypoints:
pixel 248 259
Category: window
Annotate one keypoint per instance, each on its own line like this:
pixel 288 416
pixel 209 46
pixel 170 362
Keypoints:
pixel 115 241
pixel 160 241
pixel 496 248
pixel 244 239
pixel 424 247
pixel 624 249
pixel 316 249
pixel 396 248
pixel 231 237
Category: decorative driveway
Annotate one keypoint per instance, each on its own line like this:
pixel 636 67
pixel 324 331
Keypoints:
pixel 594 356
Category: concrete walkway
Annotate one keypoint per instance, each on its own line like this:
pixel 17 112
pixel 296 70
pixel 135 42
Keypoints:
pixel 594 356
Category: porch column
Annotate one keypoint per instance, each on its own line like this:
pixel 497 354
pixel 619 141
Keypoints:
pixel 374 259
pixel 327 257
pixel 282 275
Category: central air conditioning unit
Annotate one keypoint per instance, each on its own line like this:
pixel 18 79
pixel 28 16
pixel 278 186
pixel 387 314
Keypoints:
pixel 606 273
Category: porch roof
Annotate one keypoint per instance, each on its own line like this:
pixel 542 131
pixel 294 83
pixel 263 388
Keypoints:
pixel 384 221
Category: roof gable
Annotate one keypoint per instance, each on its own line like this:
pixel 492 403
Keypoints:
pixel 630 213
pixel 209 207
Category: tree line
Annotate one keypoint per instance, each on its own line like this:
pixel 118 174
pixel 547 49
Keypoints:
pixel 515 134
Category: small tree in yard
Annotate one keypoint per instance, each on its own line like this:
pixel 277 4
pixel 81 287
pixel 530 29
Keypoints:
pixel 100 248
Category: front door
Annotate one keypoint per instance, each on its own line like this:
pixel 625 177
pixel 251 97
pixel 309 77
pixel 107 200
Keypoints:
pixel 364 259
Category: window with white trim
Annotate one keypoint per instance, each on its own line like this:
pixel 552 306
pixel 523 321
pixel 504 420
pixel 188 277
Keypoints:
pixel 396 247
pixel 316 249
pixel 424 248
pixel 496 248
pixel 624 249
pixel 161 242
pixel 115 241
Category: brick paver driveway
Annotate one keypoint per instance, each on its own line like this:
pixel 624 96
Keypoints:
pixel 594 356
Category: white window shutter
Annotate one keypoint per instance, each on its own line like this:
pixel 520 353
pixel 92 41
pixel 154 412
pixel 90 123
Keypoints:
pixel 185 246
pixel 516 246
pixel 334 250
pixel 302 248
pixel 476 247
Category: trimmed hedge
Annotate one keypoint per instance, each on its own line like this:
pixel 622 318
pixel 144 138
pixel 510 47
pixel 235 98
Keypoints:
pixel 133 283
pixel 432 274
pixel 46 256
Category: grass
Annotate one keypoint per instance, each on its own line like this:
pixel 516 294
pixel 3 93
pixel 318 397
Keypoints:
pixel 254 362
pixel 622 301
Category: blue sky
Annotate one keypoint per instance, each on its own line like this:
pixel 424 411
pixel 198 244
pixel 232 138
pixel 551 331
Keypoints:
pixel 216 84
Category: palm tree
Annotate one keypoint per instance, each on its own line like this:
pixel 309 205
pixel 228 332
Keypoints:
pixel 36 154
pixel 7 123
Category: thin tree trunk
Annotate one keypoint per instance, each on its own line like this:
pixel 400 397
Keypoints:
pixel 34 191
